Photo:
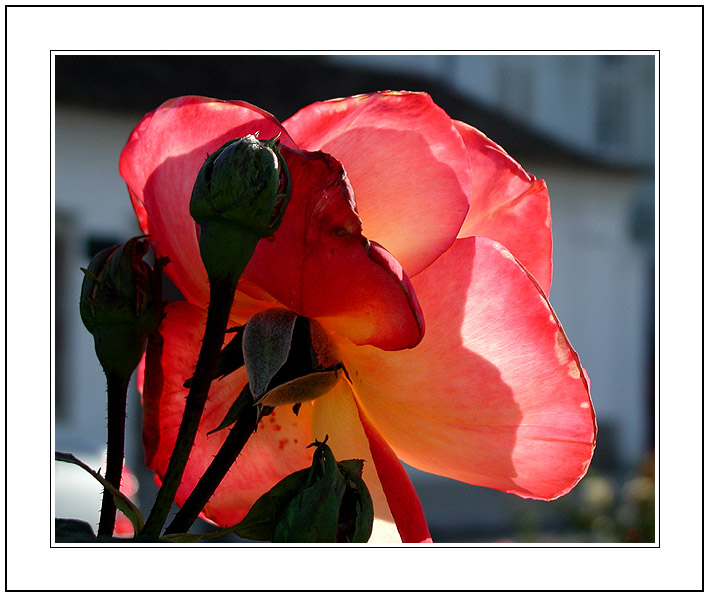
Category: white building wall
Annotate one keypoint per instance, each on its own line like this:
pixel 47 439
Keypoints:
pixel 91 200
pixel 576 99
pixel 566 99
pixel 599 292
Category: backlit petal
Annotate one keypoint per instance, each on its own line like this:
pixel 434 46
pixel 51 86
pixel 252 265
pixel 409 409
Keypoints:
pixel 160 162
pixel 319 265
pixel 494 395
pixel 275 451
pixel 508 205
pixel 406 163
pixel 401 496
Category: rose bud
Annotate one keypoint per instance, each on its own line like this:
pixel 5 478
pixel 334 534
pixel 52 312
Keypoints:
pixel 239 197
pixel 121 304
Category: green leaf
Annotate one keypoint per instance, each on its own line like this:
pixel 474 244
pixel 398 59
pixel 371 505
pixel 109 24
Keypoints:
pixel 266 345
pixel 260 521
pixel 73 530
pixel 244 400
pixel 231 357
pixel 191 538
pixel 123 503
pixel 327 502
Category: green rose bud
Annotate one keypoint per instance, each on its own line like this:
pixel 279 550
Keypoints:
pixel 312 514
pixel 121 304
pixel 327 502
pixel 245 182
pixel 239 197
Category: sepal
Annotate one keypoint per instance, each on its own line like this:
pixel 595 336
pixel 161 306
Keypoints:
pixel 266 345
pixel 241 403
pixel 288 358
pixel 230 359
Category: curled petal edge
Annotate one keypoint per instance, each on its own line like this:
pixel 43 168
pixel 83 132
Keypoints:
pixel 401 496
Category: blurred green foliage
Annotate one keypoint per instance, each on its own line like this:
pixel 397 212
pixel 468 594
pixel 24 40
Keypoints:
pixel 602 508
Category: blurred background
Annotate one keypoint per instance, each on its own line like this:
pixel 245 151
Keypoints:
pixel 584 123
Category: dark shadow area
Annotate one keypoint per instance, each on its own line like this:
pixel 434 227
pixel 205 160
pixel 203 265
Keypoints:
pixel 280 84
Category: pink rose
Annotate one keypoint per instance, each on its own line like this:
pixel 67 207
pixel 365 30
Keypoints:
pixel 423 251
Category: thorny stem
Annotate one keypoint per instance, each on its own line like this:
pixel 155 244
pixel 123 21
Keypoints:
pixel 117 388
pixel 221 298
pixel 234 443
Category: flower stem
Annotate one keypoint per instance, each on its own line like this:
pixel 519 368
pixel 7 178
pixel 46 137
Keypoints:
pixel 117 385
pixel 234 443
pixel 221 298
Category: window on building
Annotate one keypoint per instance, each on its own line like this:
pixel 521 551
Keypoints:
pixel 61 274
pixel 515 88
pixel 613 115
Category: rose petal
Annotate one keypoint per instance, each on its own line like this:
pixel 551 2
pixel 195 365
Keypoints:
pixel 401 496
pixel 406 163
pixel 508 205
pixel 275 451
pixel 493 395
pixel 160 162
pixel 319 265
